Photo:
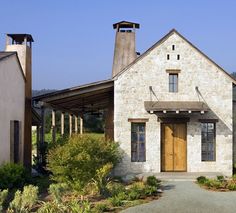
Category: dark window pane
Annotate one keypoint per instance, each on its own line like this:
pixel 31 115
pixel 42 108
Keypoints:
pixel 138 142
pixel 208 141
pixel 173 82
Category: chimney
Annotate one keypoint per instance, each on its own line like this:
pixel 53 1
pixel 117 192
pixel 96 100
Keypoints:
pixel 124 52
pixel 22 43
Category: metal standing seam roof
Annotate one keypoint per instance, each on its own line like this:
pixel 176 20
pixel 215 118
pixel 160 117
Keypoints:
pixel 159 106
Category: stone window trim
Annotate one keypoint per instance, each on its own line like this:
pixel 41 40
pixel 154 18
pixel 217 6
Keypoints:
pixel 173 71
pixel 138 142
pixel 208 140
pixel 138 120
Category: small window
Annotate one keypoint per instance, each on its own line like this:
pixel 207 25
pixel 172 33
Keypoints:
pixel 168 57
pixel 173 47
pixel 15 141
pixel 178 57
pixel 208 141
pixel 138 138
pixel 173 82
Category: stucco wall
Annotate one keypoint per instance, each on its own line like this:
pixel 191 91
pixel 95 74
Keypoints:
pixel 132 89
pixel 12 103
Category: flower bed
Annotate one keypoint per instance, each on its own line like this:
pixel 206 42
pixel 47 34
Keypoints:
pixel 218 184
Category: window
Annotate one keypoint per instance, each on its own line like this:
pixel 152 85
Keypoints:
pixel 168 57
pixel 173 47
pixel 173 82
pixel 208 141
pixel 15 141
pixel 138 150
pixel 178 57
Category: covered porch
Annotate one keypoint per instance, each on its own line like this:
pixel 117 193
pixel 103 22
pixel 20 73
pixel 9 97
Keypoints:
pixel 94 99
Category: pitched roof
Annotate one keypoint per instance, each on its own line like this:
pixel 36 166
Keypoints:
pixel 164 39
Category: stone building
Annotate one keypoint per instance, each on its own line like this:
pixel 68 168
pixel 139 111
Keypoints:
pixel 15 100
pixel 170 108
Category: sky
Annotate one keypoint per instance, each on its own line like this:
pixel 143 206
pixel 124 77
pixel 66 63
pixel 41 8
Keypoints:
pixel 74 39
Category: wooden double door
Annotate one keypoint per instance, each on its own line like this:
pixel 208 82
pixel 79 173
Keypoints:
pixel 174 147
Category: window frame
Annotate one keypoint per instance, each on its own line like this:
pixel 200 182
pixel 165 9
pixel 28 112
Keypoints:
pixel 137 156
pixel 173 86
pixel 207 159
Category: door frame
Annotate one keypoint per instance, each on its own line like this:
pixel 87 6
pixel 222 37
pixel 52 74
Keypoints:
pixel 177 121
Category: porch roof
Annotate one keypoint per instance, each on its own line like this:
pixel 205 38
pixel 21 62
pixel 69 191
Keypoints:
pixel 79 100
pixel 173 106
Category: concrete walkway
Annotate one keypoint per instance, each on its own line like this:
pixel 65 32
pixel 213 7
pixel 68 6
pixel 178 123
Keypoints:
pixel 188 197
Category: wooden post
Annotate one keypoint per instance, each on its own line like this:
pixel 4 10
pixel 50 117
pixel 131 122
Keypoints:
pixel 53 126
pixel 37 139
pixel 42 130
pixel 76 124
pixel 81 125
pixel 70 125
pixel 62 123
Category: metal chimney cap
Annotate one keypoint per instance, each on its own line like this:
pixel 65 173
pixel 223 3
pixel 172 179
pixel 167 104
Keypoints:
pixel 126 24
pixel 20 37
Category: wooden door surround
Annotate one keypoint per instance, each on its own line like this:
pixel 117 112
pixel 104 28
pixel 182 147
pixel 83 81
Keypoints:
pixel 173 147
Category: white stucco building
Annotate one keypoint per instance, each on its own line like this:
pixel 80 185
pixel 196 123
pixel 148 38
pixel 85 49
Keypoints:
pixel 15 100
pixel 170 108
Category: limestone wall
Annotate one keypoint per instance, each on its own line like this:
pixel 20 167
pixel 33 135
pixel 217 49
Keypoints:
pixel 132 89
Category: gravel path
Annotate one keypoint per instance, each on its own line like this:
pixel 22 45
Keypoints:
pixel 188 197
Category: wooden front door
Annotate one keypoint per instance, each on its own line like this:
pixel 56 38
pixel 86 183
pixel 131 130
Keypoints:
pixel 174 147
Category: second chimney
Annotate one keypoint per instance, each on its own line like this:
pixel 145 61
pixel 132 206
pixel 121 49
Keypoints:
pixel 125 50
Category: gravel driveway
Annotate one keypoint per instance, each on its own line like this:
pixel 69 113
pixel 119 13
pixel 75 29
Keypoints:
pixel 188 197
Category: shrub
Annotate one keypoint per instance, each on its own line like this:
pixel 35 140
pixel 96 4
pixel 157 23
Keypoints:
pixel 101 207
pixel 150 190
pixel 231 186
pixel 116 201
pixel 136 191
pixel 213 183
pixel 201 179
pixel 24 201
pixel 58 190
pixel 152 181
pixel 234 177
pixel 51 207
pixel 116 188
pixel 3 197
pixel 78 160
pixel 13 176
pixel 101 179
pixel 220 178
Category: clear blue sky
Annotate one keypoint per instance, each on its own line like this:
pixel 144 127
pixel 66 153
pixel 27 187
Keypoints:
pixel 74 39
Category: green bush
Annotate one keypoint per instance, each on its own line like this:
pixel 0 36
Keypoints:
pixel 234 177
pixel 212 183
pixel 220 178
pixel 136 191
pixel 116 188
pixel 116 201
pixel 201 179
pixel 231 186
pixel 101 207
pixel 152 181
pixel 51 207
pixel 150 190
pixel 24 201
pixel 13 176
pixel 57 191
pixel 77 161
pixel 101 179
pixel 3 197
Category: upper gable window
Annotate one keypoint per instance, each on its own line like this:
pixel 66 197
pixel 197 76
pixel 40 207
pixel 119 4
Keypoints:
pixel 173 82
pixel 173 47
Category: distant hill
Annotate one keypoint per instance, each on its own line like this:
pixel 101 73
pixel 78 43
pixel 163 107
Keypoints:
pixel 42 92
